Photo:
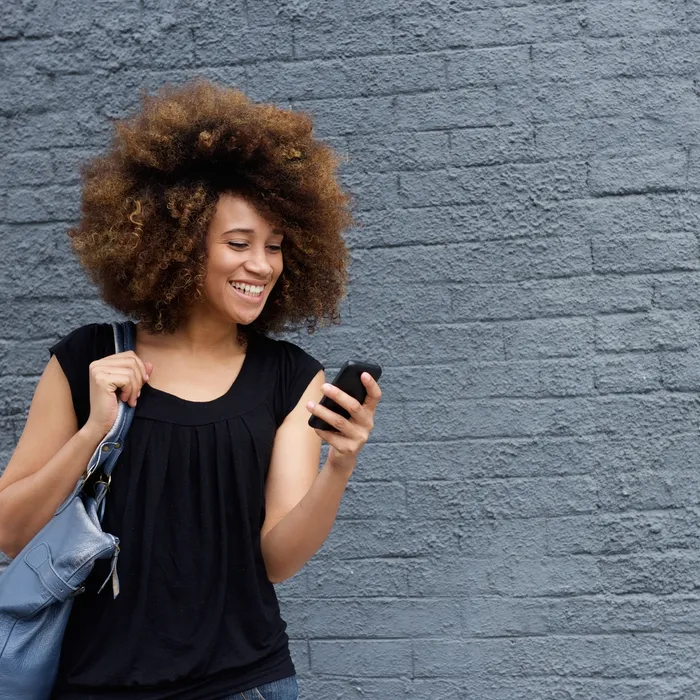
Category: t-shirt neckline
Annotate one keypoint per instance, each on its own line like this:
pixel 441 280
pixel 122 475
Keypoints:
pixel 200 409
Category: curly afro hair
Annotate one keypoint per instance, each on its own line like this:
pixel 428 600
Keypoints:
pixel 147 205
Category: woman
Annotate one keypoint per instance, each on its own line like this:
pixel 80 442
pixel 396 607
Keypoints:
pixel 211 221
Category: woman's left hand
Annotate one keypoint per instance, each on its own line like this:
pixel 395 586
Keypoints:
pixel 353 432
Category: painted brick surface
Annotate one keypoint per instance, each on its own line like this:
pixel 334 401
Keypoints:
pixel 526 174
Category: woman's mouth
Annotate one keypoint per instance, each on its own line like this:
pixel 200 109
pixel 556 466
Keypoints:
pixel 249 292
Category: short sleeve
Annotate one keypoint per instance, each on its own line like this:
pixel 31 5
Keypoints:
pixel 296 369
pixel 74 353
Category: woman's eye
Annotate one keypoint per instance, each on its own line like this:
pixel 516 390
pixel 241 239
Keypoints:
pixel 236 245
pixel 275 248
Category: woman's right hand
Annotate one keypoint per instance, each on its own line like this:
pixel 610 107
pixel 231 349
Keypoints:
pixel 114 378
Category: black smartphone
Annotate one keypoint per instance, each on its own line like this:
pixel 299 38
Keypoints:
pixel 347 380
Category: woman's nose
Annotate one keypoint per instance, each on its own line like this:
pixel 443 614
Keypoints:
pixel 259 264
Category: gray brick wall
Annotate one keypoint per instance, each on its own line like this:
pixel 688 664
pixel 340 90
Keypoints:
pixel 524 524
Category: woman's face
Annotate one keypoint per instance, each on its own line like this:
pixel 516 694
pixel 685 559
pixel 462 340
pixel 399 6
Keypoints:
pixel 244 260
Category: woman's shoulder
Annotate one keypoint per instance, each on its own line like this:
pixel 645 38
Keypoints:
pixel 288 368
pixel 283 352
pixel 87 342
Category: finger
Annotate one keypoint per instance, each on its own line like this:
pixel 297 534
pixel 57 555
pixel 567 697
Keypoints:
pixel 343 425
pixel 349 403
pixel 374 393
pixel 343 445
pixel 128 358
pixel 142 366
pixel 119 382
pixel 130 390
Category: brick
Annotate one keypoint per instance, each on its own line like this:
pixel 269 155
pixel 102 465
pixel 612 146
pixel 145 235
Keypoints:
pixel 662 574
pixel 78 128
pixel 548 688
pixel 98 14
pixel 439 27
pixel 352 77
pixel 380 538
pixel 565 337
pixel 492 616
pixel 67 163
pixel 493 418
pixel 32 319
pixel 213 45
pixel 447 224
pixel 400 151
pixel 345 37
pixel 477 262
pixel 342 116
pixel 53 203
pixel 365 578
pixel 500 65
pixel 372 191
pixel 67 280
pixel 126 86
pixel 480 106
pixel 621 533
pixel 457 380
pixel 679 370
pixel 613 656
pixel 27 94
pixel 502 457
pixel 670 98
pixel 355 688
pixel 607 137
pixel 351 619
pixel 646 490
pixel 623 215
pixel 677 291
pixel 491 146
pixel 609 58
pixel 665 171
pixel 23 357
pixel 549 181
pixel 376 657
pixel 271 12
pixel 649 253
pixel 551 297
pixel 656 330
pixel 450 576
pixel 501 498
pixel 628 374
pixel 299 650
pixel 374 500
pixel 641 415
pixel 635 17
pixel 29 18
pixel 28 168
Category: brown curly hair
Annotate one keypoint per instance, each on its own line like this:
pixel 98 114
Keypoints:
pixel 147 205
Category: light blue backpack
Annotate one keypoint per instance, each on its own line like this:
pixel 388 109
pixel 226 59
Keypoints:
pixel 38 586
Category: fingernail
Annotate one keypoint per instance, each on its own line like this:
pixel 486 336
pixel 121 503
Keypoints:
pixel 326 386
pixel 138 395
pixel 311 404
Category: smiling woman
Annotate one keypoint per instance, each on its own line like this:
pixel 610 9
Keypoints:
pixel 148 204
pixel 211 222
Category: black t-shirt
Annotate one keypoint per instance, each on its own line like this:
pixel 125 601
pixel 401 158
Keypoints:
pixel 196 617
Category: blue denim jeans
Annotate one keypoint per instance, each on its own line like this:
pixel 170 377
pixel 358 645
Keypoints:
pixel 283 689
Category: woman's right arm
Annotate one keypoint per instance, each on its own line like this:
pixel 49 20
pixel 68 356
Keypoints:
pixel 52 453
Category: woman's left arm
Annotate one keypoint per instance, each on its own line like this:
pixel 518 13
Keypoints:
pixel 301 503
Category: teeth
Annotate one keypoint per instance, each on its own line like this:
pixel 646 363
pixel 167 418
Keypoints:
pixel 253 290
